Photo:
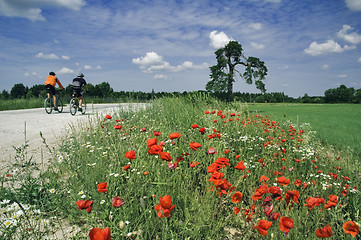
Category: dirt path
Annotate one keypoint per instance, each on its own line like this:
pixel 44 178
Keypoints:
pixel 20 126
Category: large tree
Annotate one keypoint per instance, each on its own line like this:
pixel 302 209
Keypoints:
pixel 223 73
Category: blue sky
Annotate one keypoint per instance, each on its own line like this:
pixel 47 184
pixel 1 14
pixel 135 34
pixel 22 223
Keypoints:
pixel 308 46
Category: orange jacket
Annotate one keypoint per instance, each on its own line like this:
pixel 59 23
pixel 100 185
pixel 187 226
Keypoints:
pixel 52 80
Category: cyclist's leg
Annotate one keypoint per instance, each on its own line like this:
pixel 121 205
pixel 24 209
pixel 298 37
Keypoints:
pixel 80 101
pixel 80 95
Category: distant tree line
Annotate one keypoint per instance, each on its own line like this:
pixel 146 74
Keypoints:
pixel 105 92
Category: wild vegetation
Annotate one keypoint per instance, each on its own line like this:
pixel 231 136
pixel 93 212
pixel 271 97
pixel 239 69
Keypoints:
pixel 208 170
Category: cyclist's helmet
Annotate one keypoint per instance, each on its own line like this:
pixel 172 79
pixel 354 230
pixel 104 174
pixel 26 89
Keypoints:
pixel 52 73
pixel 80 75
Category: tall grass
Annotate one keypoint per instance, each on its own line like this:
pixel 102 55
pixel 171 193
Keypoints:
pixel 95 152
pixel 13 104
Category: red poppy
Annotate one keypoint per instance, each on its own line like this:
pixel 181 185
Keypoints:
pixel 126 167
pixel 263 226
pixel 174 135
pixel 151 142
pixel 193 164
pixel 275 191
pixel 263 178
pixel 324 232
pixel 156 133
pixel 155 149
pixel 283 181
pixel 102 187
pixel 226 151
pixel 165 207
pixel 117 126
pixel 240 166
pixel 195 126
pixel 202 130
pixel 195 145
pixel 350 227
pixel 85 204
pixel 285 224
pixel 332 201
pixel 314 201
pixel 259 192
pixel 298 182
pixel 146 173
pixel 214 167
pixel 237 197
pixel 223 186
pixel 223 161
pixel 130 155
pixel 165 156
pixel 108 117
pixel 292 195
pixel 215 177
pixel 236 210
pixel 117 201
pixel 99 234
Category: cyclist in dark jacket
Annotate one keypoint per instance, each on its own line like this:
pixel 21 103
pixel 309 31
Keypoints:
pixel 77 84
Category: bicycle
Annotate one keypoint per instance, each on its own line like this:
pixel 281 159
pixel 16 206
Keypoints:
pixel 49 106
pixel 74 105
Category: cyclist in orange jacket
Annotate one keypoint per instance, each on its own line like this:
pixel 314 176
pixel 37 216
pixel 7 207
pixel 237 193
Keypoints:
pixel 50 83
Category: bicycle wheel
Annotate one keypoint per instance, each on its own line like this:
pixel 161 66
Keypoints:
pixel 48 105
pixel 83 107
pixel 73 106
pixel 59 102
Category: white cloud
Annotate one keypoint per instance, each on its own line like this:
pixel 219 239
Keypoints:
pixel 150 58
pixel 285 67
pixel 66 70
pixel 353 37
pixel 257 46
pixel 160 76
pixel 328 47
pixel 31 9
pixel 87 67
pixel 219 40
pixel 354 5
pixel 98 67
pixel 325 67
pixel 34 74
pixel 256 26
pixel 359 60
pixel 152 61
pixel 46 56
pixel 65 57
pixel 342 76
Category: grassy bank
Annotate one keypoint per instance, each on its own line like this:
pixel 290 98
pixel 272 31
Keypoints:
pixel 335 124
pixel 15 104
pixel 193 168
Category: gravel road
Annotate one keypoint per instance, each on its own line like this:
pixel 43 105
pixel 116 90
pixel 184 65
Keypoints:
pixel 20 126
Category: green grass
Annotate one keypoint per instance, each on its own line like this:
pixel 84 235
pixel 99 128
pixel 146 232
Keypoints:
pixel 336 124
pixel 14 104
pixel 94 152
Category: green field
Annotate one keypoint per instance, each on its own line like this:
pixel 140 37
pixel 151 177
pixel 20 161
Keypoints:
pixel 336 124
